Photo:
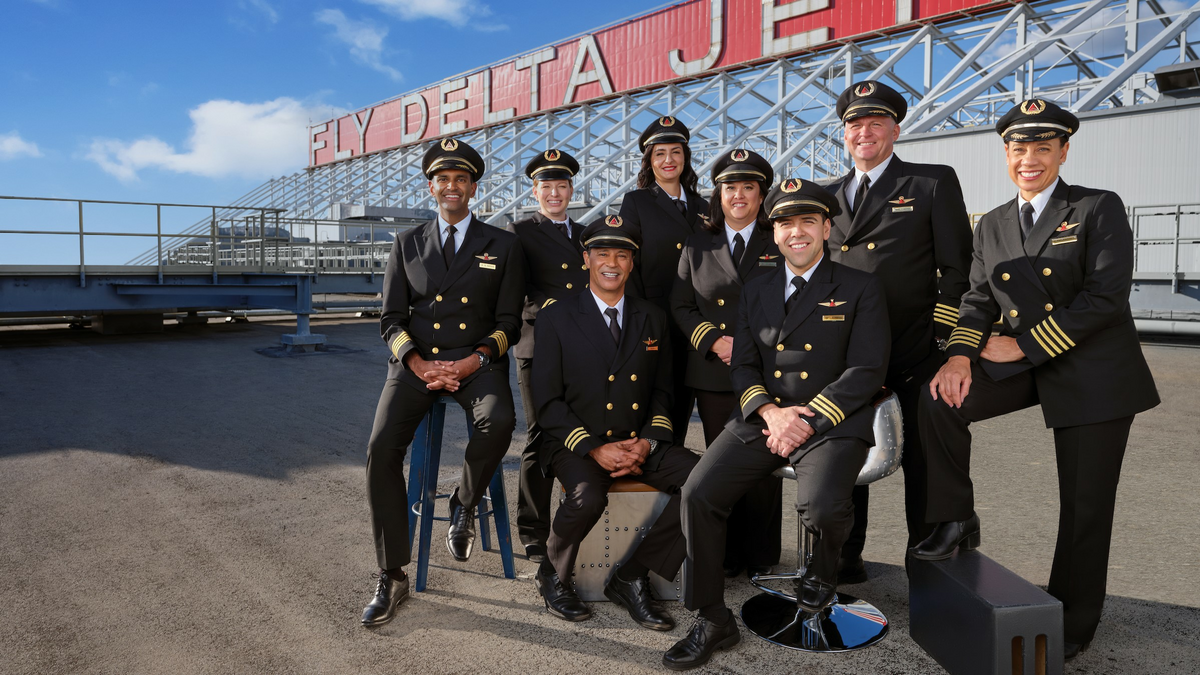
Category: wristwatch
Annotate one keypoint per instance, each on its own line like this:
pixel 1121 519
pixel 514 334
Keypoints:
pixel 484 359
pixel 653 445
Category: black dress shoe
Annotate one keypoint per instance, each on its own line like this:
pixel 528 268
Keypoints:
pixel 535 552
pixel 460 539
pixel 732 571
pixel 1073 649
pixel 389 593
pixel 561 600
pixel 634 596
pixel 946 537
pixel 755 570
pixel 813 594
pixel 702 640
pixel 851 570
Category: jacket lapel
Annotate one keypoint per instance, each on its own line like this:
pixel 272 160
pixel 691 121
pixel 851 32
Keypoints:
pixel 695 208
pixel 475 241
pixel 843 220
pixel 664 202
pixel 631 335
pixel 1056 209
pixel 818 288
pixel 772 300
pixel 594 326
pixel 759 243
pixel 430 248
pixel 1010 241
pixel 551 232
pixel 720 250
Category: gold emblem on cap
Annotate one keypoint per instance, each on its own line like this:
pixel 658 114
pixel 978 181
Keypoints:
pixel 865 89
pixel 552 155
pixel 667 121
pixel 449 145
pixel 738 155
pixel 790 185
pixel 613 221
pixel 1033 107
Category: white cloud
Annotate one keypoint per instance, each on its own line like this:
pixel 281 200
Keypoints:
pixel 229 138
pixel 13 146
pixel 364 39
pixel 455 12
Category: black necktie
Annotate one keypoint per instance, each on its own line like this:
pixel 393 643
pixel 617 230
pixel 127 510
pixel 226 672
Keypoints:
pixel 794 298
pixel 681 205
pixel 562 227
pixel 739 248
pixel 448 247
pixel 863 186
pixel 1026 220
pixel 613 326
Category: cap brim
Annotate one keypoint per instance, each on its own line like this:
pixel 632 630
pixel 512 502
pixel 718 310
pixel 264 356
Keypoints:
pixel 743 172
pixel 1035 131
pixel 869 109
pixel 797 207
pixel 451 163
pixel 665 137
pixel 610 241
pixel 552 173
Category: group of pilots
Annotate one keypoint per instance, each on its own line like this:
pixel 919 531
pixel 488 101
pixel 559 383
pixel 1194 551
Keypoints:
pixel 781 310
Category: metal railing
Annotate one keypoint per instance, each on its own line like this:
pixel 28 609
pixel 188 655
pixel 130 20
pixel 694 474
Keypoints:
pixel 237 240
pixel 1166 241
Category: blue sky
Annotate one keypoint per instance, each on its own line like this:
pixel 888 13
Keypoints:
pixel 200 102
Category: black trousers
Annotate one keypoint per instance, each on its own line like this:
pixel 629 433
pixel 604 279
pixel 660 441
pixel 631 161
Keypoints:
pixel 825 476
pixel 684 399
pixel 536 481
pixel 1089 466
pixel 586 485
pixel 753 531
pixel 487 400
pixel 912 464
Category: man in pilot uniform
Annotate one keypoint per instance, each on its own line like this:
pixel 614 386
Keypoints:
pixel 1055 265
pixel 452 298
pixel 809 352
pixel 602 386
pixel 553 271
pixel 905 223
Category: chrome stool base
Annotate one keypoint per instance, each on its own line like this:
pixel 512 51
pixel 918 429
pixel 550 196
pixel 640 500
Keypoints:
pixel 844 626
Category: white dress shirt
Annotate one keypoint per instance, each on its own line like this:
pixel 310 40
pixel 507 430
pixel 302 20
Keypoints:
pixel 1039 200
pixel 852 188
pixel 604 305
pixel 730 233
pixel 788 288
pixel 460 231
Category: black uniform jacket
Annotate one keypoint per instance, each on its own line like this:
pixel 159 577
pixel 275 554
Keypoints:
pixel 830 354
pixel 554 270
pixel 912 224
pixel 588 390
pixel 664 229
pixel 1064 295
pixel 444 313
pixel 706 294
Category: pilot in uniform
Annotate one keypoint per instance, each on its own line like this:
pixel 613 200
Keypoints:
pixel 1055 266
pixel 667 207
pixel 809 353
pixel 602 386
pixel 452 295
pixel 553 270
pixel 905 223
pixel 737 245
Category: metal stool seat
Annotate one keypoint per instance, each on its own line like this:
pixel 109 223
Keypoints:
pixel 422 493
pixel 849 623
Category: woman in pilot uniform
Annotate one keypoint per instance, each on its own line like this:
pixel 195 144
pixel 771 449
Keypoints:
pixel 735 246
pixel 667 208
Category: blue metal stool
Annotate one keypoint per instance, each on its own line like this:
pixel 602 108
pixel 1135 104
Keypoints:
pixel 422 491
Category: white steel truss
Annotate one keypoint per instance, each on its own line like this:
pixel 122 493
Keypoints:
pixel 964 72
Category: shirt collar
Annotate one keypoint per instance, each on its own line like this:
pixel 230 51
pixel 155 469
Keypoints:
pixel 873 173
pixel 1039 200
pixel 746 233
pixel 807 276
pixel 459 227
pixel 604 305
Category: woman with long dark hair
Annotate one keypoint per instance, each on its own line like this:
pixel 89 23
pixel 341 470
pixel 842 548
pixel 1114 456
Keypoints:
pixel 667 208
pixel 735 246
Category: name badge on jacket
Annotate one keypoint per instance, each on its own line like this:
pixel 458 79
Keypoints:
pixel 485 258
pixel 650 346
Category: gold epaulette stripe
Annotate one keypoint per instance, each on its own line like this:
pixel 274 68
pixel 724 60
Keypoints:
pixel 945 308
pixel 969 331
pixel 662 421
pixel 549 301
pixel 816 405
pixel 838 416
pixel 501 342
pixel 960 341
pixel 1045 342
pixel 752 392
pixel 966 336
pixel 399 342
pixel 575 436
pixel 700 332
pixel 949 322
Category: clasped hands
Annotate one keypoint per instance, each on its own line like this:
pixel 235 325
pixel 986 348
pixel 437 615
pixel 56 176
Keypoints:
pixel 786 427
pixel 443 375
pixel 622 458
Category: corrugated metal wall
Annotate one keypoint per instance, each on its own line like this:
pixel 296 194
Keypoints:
pixel 1149 156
